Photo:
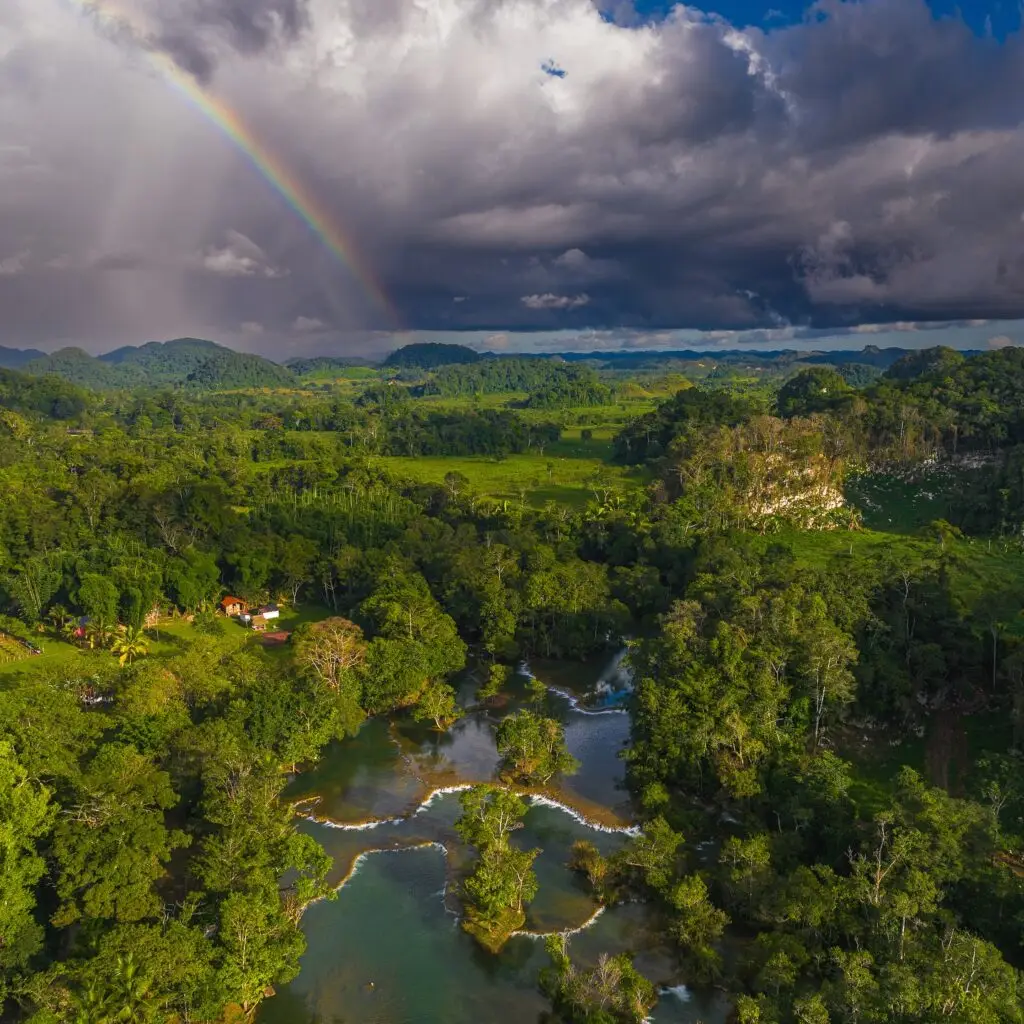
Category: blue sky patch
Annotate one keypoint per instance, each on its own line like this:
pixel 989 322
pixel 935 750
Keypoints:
pixel 985 17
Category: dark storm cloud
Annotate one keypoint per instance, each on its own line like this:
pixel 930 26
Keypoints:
pixel 250 26
pixel 888 66
pixel 194 32
pixel 860 166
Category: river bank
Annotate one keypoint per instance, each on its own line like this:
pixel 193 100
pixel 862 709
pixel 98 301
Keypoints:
pixel 390 947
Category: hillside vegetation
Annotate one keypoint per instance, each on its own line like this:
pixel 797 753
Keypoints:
pixel 827 719
pixel 187 362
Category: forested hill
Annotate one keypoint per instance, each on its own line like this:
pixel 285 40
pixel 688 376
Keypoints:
pixel 13 358
pixel 870 356
pixel 427 355
pixel 549 383
pixel 165 362
pixel 929 402
pixel 751 460
pixel 185 362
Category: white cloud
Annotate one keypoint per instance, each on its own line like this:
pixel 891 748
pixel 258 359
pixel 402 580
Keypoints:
pixel 14 265
pixel 549 301
pixel 241 257
pixel 252 328
pixel 308 325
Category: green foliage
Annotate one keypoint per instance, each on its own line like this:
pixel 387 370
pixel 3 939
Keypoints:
pixel 26 818
pixel 114 845
pixel 14 358
pixel 76 366
pixel 186 361
pixel 782 678
pixel 612 992
pixel 414 642
pixel 497 678
pixel 650 436
pixel 226 369
pixel 489 815
pixel 533 748
pixel 428 354
pixel 549 384
pixel 437 704
pixel 34 584
pixel 502 879
pixel 816 389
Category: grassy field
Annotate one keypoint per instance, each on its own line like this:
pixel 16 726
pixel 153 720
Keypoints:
pixel 167 639
pixel 896 505
pixel 330 375
pixel 532 479
pixel 562 473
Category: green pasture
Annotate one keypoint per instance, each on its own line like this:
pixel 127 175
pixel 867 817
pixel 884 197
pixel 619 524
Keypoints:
pixel 896 505
pixel 980 567
pixel 167 639
pixel 533 479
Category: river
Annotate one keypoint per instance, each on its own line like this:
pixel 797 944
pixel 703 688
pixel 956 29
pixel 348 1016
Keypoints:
pixel 389 948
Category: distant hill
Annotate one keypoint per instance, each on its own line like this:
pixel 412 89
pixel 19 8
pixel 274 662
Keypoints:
pixel 15 358
pixel 184 362
pixel 870 355
pixel 165 362
pixel 426 355
pixel 78 367
pixel 227 370
pixel 939 360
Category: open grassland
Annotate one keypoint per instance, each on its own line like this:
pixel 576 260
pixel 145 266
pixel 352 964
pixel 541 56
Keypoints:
pixel 533 479
pixel 167 639
pixel 328 375
pixel 898 505
pixel 980 568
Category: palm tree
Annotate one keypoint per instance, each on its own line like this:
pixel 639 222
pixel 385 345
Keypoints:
pixel 137 998
pixel 58 616
pixel 69 631
pixel 130 643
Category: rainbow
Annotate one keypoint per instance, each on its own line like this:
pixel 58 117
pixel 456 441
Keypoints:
pixel 231 124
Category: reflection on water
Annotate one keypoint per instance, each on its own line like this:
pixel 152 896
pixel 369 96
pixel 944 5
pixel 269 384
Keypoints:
pixel 390 950
pixel 386 951
pixel 360 778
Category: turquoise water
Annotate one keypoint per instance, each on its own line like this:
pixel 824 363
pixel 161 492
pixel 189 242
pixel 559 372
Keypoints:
pixel 389 948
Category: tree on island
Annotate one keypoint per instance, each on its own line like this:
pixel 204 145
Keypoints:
pixel 614 992
pixel 437 704
pixel 502 881
pixel 533 748
pixel 497 677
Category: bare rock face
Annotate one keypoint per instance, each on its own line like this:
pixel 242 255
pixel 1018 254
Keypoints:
pixel 763 473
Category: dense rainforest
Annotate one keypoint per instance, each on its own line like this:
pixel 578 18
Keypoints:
pixel 151 865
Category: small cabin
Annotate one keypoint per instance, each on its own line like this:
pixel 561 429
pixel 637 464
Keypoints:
pixel 233 606
pixel 269 611
pixel 258 624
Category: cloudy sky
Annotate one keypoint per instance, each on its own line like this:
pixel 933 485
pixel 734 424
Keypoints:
pixel 517 173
